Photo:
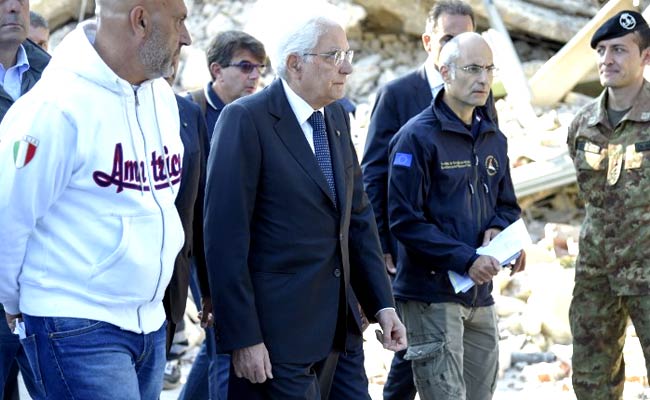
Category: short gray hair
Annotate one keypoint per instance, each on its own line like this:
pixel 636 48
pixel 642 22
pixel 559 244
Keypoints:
pixel 300 40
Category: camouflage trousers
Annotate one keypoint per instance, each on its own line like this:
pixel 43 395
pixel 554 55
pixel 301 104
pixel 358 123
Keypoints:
pixel 598 319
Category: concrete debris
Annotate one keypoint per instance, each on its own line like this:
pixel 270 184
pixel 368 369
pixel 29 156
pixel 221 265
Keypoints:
pixel 532 307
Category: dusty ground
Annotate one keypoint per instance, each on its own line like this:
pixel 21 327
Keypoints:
pixel 530 382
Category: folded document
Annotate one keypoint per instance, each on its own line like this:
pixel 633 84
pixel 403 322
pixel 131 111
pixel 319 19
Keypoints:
pixel 505 247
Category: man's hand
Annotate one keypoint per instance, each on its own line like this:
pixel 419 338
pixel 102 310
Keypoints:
pixel 489 235
pixel 252 363
pixel 484 269
pixel 394 333
pixel 390 265
pixel 11 320
pixel 205 315
pixel 520 263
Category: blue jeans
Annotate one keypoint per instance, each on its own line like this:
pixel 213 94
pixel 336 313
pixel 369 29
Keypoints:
pixel 10 350
pixel 208 378
pixel 74 358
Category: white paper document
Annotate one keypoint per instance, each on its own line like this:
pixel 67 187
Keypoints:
pixel 19 329
pixel 505 247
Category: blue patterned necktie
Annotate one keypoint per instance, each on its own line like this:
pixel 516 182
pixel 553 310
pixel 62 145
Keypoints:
pixel 322 150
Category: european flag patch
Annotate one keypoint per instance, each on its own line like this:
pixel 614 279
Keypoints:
pixel 403 159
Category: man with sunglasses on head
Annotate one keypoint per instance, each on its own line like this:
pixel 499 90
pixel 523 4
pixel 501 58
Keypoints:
pixel 236 61
pixel 450 192
pixel 396 103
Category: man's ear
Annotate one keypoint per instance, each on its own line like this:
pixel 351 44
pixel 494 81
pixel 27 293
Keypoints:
pixel 294 64
pixel 645 56
pixel 215 71
pixel 139 18
pixel 426 42
pixel 446 72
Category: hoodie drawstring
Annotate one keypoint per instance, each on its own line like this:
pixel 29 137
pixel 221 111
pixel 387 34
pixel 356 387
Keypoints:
pixel 160 142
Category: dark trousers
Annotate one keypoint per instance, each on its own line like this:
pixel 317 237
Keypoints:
pixel 11 383
pixel 399 384
pixel 310 381
pixel 350 380
pixel 12 356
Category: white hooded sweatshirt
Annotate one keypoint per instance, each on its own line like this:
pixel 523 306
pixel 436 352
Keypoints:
pixel 89 171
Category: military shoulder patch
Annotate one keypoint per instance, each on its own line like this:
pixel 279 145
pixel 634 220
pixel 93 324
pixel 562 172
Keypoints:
pixel 403 159
pixel 25 150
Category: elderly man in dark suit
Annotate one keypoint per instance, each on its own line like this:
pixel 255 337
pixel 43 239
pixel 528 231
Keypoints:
pixel 288 227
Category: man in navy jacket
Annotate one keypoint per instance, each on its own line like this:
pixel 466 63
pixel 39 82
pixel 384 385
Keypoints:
pixel 450 192
pixel 396 103
pixel 189 203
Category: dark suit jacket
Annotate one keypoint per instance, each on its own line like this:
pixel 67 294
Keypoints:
pixel 279 251
pixel 189 203
pixel 396 103
pixel 38 60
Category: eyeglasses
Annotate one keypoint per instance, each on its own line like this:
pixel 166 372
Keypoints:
pixel 474 69
pixel 337 55
pixel 247 67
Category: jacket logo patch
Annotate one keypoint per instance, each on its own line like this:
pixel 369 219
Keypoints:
pixel 403 159
pixel 25 150
pixel 130 174
pixel 457 164
pixel 491 165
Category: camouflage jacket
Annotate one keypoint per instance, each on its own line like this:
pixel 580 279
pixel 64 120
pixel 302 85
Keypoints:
pixel 613 172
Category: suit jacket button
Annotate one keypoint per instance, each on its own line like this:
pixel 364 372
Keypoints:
pixel 337 272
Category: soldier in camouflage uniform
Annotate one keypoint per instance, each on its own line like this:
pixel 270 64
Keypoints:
pixel 609 142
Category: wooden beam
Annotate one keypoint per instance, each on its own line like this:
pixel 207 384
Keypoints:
pixel 564 70
pixel 512 74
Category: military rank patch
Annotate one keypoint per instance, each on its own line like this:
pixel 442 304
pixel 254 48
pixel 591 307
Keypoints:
pixel 491 165
pixel 403 159
pixel 25 150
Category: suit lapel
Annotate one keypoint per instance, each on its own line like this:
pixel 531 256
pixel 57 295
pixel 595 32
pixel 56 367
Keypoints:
pixel 293 138
pixel 334 126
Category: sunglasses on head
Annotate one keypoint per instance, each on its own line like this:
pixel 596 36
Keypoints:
pixel 247 67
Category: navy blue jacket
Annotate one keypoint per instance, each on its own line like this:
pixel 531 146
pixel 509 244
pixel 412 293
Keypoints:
pixel 445 190
pixel 396 103
pixel 189 203
pixel 282 257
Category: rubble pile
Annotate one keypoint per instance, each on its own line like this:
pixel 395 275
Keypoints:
pixel 535 339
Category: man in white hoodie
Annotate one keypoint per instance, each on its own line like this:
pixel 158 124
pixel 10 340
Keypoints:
pixel 90 164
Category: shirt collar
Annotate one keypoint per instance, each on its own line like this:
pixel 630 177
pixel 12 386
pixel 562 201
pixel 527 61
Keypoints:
pixel 300 107
pixel 22 63
pixel 21 60
pixel 213 99
pixel 433 75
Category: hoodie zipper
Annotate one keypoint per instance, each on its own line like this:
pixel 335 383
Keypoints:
pixel 153 193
